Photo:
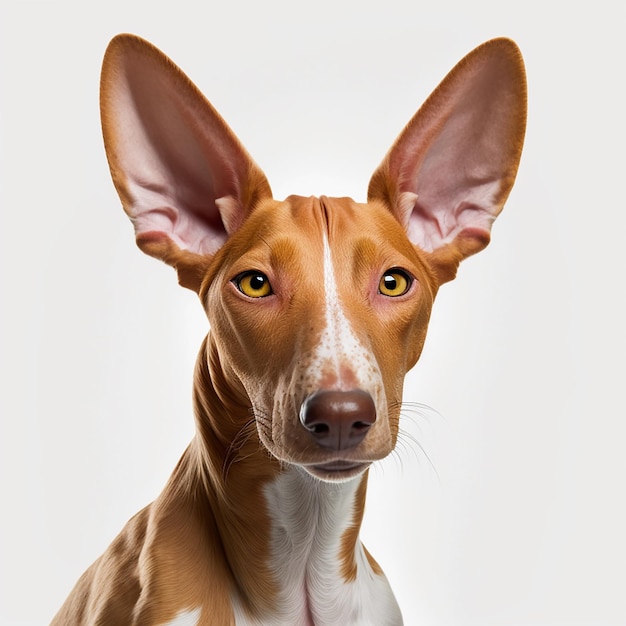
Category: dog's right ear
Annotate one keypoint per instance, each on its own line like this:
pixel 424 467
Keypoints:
pixel 448 174
pixel 183 177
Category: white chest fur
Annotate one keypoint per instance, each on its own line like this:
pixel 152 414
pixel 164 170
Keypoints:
pixel 309 519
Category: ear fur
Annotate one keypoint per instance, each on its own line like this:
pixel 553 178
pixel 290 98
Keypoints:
pixel 448 174
pixel 183 177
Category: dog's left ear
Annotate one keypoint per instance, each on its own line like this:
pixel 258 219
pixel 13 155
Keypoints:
pixel 183 177
pixel 448 174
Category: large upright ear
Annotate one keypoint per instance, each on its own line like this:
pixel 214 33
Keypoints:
pixel 183 177
pixel 448 174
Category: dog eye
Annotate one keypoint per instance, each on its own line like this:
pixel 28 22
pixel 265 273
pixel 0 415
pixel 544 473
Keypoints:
pixel 253 284
pixel 395 282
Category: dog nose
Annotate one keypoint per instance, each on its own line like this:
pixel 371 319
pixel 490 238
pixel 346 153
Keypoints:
pixel 338 420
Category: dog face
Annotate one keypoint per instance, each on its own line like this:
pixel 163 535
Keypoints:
pixel 318 294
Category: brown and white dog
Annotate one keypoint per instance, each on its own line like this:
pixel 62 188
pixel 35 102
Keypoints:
pixel 318 307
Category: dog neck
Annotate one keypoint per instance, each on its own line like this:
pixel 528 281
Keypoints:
pixel 291 540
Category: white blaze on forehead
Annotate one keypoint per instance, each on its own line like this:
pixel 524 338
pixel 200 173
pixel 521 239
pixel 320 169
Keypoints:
pixel 339 353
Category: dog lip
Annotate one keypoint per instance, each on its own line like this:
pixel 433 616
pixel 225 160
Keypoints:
pixel 337 469
pixel 338 465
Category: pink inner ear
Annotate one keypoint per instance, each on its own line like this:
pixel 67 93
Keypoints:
pixel 450 171
pixel 179 169
pixel 189 230
pixel 432 229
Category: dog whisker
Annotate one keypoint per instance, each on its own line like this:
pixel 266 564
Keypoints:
pixel 407 442
pixel 238 443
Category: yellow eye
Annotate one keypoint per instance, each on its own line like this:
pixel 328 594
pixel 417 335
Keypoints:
pixel 395 282
pixel 253 284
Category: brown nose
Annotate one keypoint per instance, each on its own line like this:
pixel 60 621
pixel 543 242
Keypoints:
pixel 338 420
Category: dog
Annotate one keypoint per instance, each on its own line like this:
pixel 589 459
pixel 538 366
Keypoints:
pixel 318 307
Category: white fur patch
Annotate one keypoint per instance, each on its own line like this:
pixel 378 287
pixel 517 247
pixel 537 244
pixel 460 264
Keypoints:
pixel 309 519
pixel 186 618
pixel 339 350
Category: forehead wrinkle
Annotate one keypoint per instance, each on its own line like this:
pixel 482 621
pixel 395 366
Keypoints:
pixel 365 251
pixel 284 251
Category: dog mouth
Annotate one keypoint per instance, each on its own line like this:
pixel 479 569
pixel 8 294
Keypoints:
pixel 337 471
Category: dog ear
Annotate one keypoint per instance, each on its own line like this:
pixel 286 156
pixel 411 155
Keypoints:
pixel 448 174
pixel 183 177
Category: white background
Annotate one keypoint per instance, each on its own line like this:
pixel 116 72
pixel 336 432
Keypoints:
pixel 519 516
